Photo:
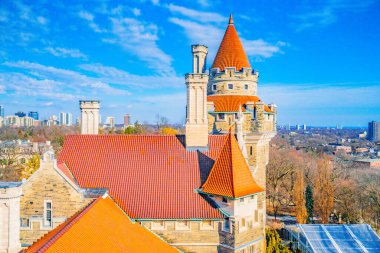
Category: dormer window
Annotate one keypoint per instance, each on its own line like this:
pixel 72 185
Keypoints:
pixel 214 87
pixel 230 86
pixel 246 86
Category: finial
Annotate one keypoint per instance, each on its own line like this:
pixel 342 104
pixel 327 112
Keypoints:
pixel 231 21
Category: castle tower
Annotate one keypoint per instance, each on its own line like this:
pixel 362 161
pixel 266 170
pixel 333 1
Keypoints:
pixel 231 72
pixel 89 117
pixel 196 111
pixel 10 193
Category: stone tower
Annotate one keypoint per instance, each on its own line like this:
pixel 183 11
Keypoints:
pixel 233 103
pixel 10 193
pixel 89 117
pixel 196 111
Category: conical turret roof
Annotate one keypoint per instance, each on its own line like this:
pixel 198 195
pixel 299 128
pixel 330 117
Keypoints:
pixel 230 175
pixel 231 52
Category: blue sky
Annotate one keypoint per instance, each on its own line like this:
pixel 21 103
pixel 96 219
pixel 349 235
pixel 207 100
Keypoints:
pixel 318 62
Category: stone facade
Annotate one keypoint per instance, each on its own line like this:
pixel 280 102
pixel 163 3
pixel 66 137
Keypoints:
pixel 48 190
pixel 196 114
pixel 89 117
pixel 10 217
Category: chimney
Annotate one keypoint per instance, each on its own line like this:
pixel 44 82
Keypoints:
pixel 89 116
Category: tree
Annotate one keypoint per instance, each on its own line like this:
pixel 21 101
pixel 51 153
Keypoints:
pixel 299 197
pixel 309 201
pixel 30 167
pixel 168 131
pixel 273 242
pixel 324 190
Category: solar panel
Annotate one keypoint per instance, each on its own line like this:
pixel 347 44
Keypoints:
pixel 340 238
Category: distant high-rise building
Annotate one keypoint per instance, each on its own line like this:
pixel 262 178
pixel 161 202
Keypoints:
pixel 33 115
pixel 339 126
pixel 373 131
pixel 20 114
pixel 110 122
pixel 65 119
pixel 298 127
pixel 127 119
pixel 304 127
pixel 288 127
pixel 2 114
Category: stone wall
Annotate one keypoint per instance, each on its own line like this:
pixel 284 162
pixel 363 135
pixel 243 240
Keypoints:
pixel 47 185
pixel 188 236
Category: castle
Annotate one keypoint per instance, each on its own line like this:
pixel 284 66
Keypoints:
pixel 201 192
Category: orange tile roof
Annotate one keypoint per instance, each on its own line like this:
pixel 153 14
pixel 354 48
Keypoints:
pixel 149 177
pixel 230 103
pixel 230 175
pixel 101 227
pixel 231 52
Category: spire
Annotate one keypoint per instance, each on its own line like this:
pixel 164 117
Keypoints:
pixel 231 52
pixel 230 175
pixel 231 21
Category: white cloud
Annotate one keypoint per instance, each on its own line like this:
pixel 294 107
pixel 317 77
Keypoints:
pixel 140 38
pixel 90 20
pixel 136 12
pixel 198 16
pixel 66 52
pixel 321 15
pixel 211 35
pixel 41 77
pixel 2 89
pixel 116 76
pixel 41 20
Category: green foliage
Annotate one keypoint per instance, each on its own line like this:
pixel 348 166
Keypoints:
pixel 135 129
pixel 274 242
pixel 309 203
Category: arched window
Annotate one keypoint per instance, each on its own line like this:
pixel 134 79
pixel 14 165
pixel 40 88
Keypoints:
pixel 230 86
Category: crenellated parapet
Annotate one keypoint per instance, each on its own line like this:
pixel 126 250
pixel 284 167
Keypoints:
pixel 231 81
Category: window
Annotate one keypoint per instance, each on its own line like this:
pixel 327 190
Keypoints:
pixel 48 213
pixel 250 150
pixel 230 86
pixel 241 200
pixel 182 225
pixel 243 223
pixel 23 160
pixel 158 225
pixel 246 86
pixel 24 222
pixel 207 225
pixel 224 200
pixel 226 225
pixel 256 216
pixel 221 116
pixel 214 87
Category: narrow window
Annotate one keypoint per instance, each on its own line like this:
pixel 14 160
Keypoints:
pixel 230 86
pixel 48 214
pixel 243 223
pixel 214 87
pixel 256 216
pixel 246 86
pixel 226 225
pixel 250 150
pixel 197 63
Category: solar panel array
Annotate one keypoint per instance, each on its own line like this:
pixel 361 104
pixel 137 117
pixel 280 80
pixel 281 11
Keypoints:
pixel 340 238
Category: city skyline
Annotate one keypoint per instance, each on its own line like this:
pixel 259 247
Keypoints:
pixel 315 61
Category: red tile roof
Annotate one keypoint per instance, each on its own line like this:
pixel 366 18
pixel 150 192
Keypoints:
pixel 150 177
pixel 101 227
pixel 231 52
pixel 230 176
pixel 63 168
pixel 230 103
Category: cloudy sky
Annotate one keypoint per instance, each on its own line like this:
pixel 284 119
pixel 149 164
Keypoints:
pixel 320 63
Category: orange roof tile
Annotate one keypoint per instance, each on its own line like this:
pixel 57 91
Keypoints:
pixel 231 103
pixel 231 52
pixel 101 227
pixel 230 175
pixel 149 177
